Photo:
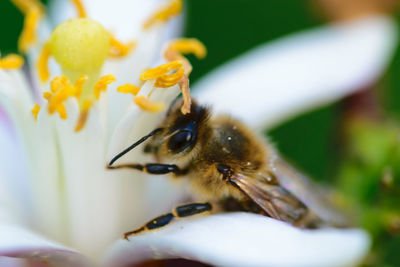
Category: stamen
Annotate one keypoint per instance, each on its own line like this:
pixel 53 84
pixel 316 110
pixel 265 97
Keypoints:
pixel 128 89
pixel 189 46
pixel 101 85
pixel 61 90
pixel 165 13
pixel 118 49
pixel 184 84
pixel 42 63
pixel 35 111
pixel 28 37
pixel 79 85
pixel 33 11
pixel 147 105
pixel 80 9
pixel 83 115
pixel 173 53
pixel 26 5
pixel 11 61
pixel 165 81
pixel 161 70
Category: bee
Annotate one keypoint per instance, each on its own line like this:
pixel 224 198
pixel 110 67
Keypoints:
pixel 232 168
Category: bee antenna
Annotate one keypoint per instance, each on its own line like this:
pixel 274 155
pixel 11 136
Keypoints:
pixel 141 140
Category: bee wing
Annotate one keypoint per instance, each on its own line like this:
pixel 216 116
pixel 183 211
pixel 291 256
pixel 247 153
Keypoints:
pixel 275 200
pixel 315 197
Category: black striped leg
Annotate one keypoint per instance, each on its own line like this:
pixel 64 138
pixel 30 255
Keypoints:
pixel 179 212
pixel 152 168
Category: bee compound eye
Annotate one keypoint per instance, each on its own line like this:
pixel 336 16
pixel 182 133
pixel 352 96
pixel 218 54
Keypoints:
pixel 180 141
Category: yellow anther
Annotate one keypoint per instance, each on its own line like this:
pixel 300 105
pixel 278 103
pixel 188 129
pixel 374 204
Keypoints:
pixel 189 46
pixel 28 37
pixel 147 105
pixel 83 115
pixel 80 45
pixel 165 81
pixel 128 89
pixel 161 70
pixel 172 9
pixel 47 95
pixel 11 61
pixel 42 63
pixel 57 83
pixel 61 90
pixel 118 49
pixel 101 85
pixel 62 112
pixel 80 9
pixel 35 111
pixel 79 85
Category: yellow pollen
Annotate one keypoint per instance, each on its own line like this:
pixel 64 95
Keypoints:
pixel 42 63
pixel 172 9
pixel 161 70
pixel 101 85
pixel 11 61
pixel 61 90
pixel 147 105
pixel 83 115
pixel 128 89
pixel 79 85
pixel 165 81
pixel 189 46
pixel 118 49
pixel 80 9
pixel 35 111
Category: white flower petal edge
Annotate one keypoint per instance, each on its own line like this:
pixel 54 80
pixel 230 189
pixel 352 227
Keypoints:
pixel 243 239
pixel 301 71
pixel 19 243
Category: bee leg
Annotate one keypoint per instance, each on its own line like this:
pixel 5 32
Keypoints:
pixel 152 168
pixel 179 212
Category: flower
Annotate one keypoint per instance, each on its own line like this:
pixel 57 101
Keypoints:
pixel 61 190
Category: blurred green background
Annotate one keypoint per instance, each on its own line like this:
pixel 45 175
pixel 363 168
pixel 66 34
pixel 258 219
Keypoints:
pixel 355 156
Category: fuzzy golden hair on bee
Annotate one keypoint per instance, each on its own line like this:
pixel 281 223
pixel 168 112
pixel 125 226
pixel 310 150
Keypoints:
pixel 228 165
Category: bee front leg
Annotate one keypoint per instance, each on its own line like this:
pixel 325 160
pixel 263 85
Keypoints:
pixel 152 168
pixel 179 212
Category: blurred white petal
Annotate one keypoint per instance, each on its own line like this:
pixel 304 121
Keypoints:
pixel 278 80
pixel 243 239
pixel 124 18
pixel 20 243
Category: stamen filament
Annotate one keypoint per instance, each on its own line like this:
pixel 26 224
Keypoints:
pixel 172 9
pixel 42 63
pixel 83 115
pixel 79 85
pixel 11 61
pixel 80 9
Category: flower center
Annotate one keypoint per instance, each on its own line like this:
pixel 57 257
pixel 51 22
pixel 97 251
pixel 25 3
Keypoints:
pixel 80 46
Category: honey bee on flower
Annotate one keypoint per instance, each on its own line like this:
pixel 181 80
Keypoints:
pixel 88 95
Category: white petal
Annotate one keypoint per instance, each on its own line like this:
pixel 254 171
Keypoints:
pixel 124 18
pixel 20 243
pixel 243 239
pixel 299 72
